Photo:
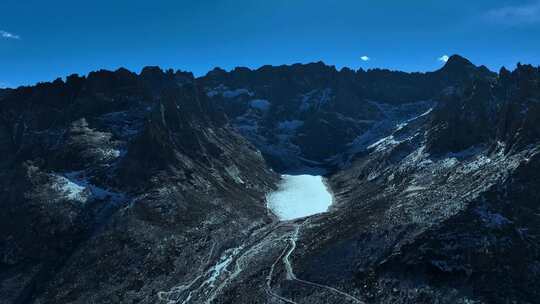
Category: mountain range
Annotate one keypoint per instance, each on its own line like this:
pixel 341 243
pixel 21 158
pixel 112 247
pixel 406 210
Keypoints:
pixel 119 187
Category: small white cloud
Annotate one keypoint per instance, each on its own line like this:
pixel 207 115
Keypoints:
pixel 9 35
pixel 516 14
pixel 365 58
pixel 443 58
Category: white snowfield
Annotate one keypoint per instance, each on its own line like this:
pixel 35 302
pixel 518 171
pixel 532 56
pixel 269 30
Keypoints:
pixel 299 196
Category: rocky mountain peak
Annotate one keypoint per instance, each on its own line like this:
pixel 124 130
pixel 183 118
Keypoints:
pixel 456 62
pixel 459 70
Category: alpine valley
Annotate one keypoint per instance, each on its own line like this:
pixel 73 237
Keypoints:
pixel 119 187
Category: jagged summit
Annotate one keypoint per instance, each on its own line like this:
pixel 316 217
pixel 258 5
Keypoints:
pixel 457 61
pixel 459 69
pixel 454 63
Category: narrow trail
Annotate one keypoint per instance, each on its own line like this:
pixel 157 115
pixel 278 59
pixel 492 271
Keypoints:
pixel 212 279
pixel 290 275
pixel 268 287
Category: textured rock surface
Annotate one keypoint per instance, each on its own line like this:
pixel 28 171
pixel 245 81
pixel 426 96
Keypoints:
pixel 315 113
pixel 109 186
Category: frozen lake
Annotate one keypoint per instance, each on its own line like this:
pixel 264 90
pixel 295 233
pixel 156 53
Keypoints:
pixel 299 196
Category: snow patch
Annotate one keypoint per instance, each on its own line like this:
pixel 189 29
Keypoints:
pixel 383 143
pixel 260 104
pixel 71 190
pixel 383 134
pixel 236 93
pixel 228 93
pixel 78 188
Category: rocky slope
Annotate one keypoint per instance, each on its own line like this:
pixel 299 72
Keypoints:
pixel 446 212
pixel 306 115
pixel 111 183
pixel 138 188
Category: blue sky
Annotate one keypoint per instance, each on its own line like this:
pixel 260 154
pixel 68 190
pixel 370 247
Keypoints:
pixel 42 40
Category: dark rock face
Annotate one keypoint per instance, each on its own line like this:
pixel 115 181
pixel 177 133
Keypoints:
pixel 303 114
pixel 444 214
pixel 101 170
pixel 149 188
pixel 463 119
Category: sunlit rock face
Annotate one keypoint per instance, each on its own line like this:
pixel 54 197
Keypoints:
pixel 299 196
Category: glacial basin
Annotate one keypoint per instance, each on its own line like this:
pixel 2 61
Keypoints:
pixel 299 196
